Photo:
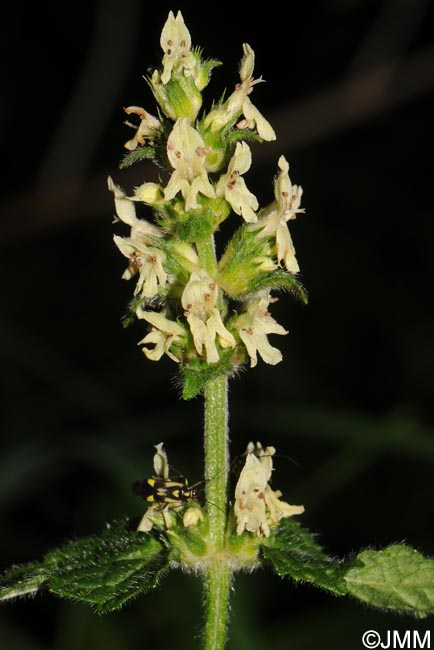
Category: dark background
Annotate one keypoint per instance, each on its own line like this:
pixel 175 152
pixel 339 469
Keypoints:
pixel 350 93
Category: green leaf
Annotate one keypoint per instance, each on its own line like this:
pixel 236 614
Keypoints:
pixel 397 577
pixel 235 135
pixel 24 580
pixel 107 570
pixel 294 552
pixel 241 268
pixel 139 154
pixel 104 570
pixel 278 279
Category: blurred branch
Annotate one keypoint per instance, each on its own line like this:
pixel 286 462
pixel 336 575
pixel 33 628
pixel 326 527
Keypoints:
pixel 85 118
pixel 390 34
pixel 348 103
pixel 351 102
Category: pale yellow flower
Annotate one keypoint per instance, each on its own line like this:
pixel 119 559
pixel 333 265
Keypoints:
pixel 254 325
pixel 249 504
pixel 147 261
pixel 147 127
pixel 161 462
pixel 257 506
pixel 199 301
pixel 144 258
pixel 149 193
pixel 155 514
pixel 163 335
pixel 233 187
pixel 274 218
pixel 239 102
pixel 186 151
pixel 175 42
pixel 192 516
pixel 141 230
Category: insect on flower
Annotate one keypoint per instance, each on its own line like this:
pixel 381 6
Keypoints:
pixel 165 491
pixel 165 494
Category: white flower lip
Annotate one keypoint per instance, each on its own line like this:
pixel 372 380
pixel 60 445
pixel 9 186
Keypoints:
pixel 274 218
pixel 175 42
pixel 233 187
pixel 239 102
pixel 199 302
pixel 257 506
pixel 147 127
pixel 147 261
pixel 253 327
pixel 164 334
pixel 186 152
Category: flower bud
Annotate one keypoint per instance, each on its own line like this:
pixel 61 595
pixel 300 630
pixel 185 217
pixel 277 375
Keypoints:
pixel 192 516
pixel 179 97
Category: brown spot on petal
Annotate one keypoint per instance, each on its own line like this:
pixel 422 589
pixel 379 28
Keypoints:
pixel 136 260
pixel 202 151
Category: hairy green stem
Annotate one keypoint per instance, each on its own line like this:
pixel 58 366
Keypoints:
pixel 216 443
pixel 218 573
pixel 217 589
pixel 216 458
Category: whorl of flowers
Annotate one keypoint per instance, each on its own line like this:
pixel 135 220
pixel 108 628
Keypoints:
pixel 207 315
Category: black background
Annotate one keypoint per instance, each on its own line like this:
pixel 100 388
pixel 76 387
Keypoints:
pixel 349 90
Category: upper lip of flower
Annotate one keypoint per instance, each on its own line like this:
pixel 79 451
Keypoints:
pixel 199 302
pixel 186 151
pixel 176 43
pixel 233 187
pixel 254 325
pixel 239 103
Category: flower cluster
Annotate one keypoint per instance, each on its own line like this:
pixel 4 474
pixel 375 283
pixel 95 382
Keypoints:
pixel 160 513
pixel 201 311
pixel 257 506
